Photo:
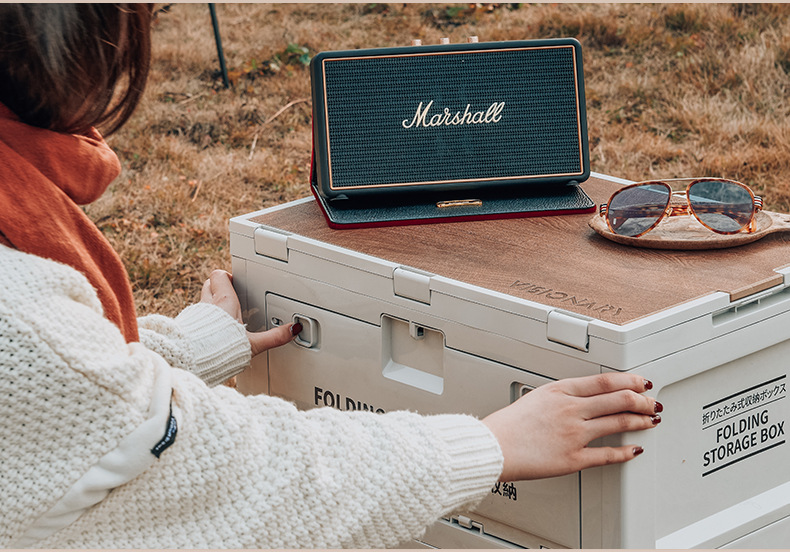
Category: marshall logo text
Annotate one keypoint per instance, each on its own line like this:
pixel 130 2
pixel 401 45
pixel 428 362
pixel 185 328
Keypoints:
pixel 447 118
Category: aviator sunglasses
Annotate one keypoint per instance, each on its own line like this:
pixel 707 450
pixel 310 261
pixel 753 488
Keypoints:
pixel 722 206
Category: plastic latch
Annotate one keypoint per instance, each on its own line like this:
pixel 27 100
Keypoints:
pixel 308 337
pixel 469 523
pixel 416 331
pixel 412 284
pixel 569 330
pixel 271 243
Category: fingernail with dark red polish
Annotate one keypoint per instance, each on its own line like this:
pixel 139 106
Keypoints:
pixel 648 384
pixel 296 328
pixel 658 407
pixel 638 451
pixel 656 419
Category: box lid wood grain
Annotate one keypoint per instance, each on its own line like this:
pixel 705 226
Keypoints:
pixel 558 261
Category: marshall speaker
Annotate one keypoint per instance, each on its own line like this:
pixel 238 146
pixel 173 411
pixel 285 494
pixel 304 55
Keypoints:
pixel 453 122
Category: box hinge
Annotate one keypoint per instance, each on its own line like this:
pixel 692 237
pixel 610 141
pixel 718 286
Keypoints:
pixel 468 523
pixel 412 284
pixel 272 243
pixel 568 329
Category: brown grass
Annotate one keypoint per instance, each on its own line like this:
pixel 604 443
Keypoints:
pixel 672 90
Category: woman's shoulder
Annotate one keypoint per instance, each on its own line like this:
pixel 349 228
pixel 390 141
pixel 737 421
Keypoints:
pixel 49 308
pixel 27 278
pixel 17 264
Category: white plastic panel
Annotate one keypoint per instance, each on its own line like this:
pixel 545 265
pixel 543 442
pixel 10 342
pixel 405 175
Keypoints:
pixel 412 354
pixel 351 373
pixel 750 524
pixel 775 535
pixel 448 534
pixel 725 439
pixel 255 379
pixel 720 447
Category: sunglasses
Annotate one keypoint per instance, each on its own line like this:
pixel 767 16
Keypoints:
pixel 722 206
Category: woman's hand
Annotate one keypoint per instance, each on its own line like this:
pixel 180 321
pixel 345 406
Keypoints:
pixel 218 290
pixel 546 432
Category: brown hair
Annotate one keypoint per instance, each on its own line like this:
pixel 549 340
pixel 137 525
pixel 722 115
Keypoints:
pixel 60 64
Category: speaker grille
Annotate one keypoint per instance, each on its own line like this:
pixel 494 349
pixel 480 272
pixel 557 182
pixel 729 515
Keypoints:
pixel 369 99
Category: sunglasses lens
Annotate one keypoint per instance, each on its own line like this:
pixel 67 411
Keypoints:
pixel 722 206
pixel 633 211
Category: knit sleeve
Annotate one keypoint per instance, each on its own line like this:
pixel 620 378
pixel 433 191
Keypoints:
pixel 202 339
pixel 256 472
pixel 236 471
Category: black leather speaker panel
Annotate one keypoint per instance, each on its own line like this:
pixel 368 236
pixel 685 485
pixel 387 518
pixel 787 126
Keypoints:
pixel 500 115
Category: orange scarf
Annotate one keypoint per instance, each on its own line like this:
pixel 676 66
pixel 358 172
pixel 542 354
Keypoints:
pixel 44 177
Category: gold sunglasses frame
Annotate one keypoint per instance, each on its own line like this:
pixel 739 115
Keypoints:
pixel 678 208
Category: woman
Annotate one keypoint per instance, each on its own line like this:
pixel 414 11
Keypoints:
pixel 114 433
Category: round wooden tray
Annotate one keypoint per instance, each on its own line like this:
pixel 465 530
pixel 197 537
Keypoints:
pixel 686 232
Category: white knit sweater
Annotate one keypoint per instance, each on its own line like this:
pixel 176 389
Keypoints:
pixel 243 471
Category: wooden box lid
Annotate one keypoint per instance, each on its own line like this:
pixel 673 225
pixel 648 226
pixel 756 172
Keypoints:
pixel 557 261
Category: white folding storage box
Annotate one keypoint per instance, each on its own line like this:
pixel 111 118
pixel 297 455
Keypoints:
pixel 467 317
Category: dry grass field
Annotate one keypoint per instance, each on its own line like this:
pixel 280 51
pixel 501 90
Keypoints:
pixel 672 90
